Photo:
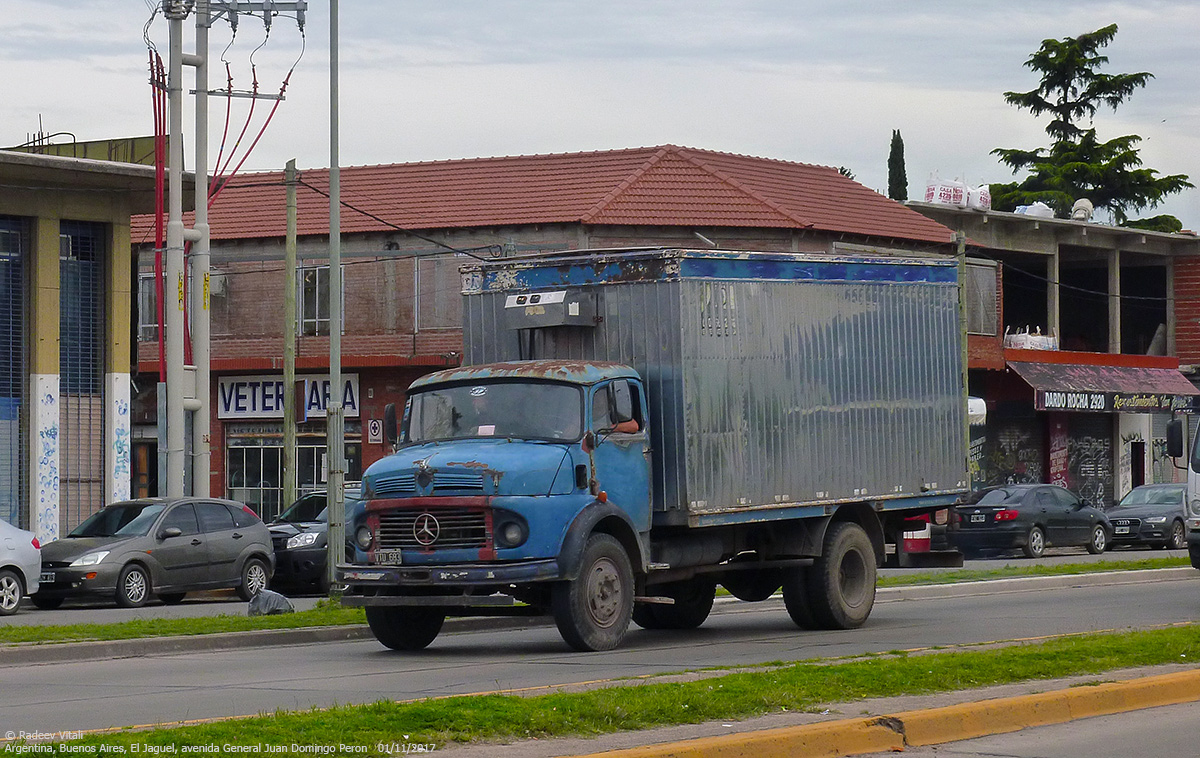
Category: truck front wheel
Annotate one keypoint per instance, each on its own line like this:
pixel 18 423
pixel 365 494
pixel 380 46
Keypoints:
pixel 841 583
pixel 402 628
pixel 593 612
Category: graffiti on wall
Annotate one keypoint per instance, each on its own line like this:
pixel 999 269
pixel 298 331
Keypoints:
pixel 1014 454
pixel 1089 462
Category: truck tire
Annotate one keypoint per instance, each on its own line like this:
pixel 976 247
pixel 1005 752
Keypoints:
pixel 402 628
pixel 693 602
pixel 795 597
pixel 753 585
pixel 593 611
pixel 841 583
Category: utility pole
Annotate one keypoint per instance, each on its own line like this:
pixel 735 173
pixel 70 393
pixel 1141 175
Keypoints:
pixel 291 179
pixel 335 412
pixel 184 398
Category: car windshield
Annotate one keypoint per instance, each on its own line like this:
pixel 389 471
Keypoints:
pixel 308 508
pixel 524 410
pixel 1153 496
pixel 120 519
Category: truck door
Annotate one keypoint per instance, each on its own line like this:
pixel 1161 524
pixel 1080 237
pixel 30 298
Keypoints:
pixel 621 459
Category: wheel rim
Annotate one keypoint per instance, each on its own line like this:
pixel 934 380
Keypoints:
pixel 10 593
pixel 1036 542
pixel 256 579
pixel 1177 538
pixel 604 593
pixel 1098 538
pixel 135 586
pixel 852 579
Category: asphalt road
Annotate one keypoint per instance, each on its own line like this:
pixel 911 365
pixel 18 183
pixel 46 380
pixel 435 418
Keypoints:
pixel 196 685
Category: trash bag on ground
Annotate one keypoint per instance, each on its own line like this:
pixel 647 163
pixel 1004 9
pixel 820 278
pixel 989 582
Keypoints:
pixel 268 603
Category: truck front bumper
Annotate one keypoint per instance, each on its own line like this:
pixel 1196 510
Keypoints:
pixel 375 578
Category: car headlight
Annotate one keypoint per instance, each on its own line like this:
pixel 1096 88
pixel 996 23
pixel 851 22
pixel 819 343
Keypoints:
pixel 363 537
pixel 303 539
pixel 1156 519
pixel 90 559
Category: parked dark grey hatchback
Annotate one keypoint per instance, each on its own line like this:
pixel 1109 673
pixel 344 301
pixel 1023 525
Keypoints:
pixel 1030 517
pixel 133 550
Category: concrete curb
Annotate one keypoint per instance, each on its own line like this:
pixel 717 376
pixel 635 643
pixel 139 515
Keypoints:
pixel 934 726
pixel 1031 583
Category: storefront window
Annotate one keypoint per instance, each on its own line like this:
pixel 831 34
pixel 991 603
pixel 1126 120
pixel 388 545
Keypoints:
pixel 254 466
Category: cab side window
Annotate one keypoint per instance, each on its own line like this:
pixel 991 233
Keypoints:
pixel 602 409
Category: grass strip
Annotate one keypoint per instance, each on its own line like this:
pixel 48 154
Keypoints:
pixel 327 613
pixel 378 728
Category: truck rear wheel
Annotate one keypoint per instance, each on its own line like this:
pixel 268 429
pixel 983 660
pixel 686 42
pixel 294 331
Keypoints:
pixel 593 612
pixel 693 602
pixel 403 628
pixel 841 583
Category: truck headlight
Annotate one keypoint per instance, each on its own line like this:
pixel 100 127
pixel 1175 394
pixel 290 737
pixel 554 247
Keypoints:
pixel 511 533
pixel 363 537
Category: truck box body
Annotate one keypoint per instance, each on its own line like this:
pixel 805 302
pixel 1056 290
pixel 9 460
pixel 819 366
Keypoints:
pixel 780 384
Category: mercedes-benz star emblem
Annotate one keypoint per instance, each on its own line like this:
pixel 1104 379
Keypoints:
pixel 425 529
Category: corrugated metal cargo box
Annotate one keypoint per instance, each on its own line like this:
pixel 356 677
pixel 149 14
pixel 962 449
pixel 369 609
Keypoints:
pixel 775 379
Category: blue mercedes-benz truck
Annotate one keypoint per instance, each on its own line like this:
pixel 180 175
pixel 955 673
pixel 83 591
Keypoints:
pixel 633 428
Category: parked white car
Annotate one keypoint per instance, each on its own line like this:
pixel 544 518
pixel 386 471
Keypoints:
pixel 20 566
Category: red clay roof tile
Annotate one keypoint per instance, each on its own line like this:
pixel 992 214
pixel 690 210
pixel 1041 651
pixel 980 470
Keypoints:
pixel 665 185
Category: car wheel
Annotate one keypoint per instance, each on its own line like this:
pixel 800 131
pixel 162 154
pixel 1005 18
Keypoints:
pixel 1035 545
pixel 11 590
pixel 172 598
pixel 1099 541
pixel 47 603
pixel 133 587
pixel 1178 537
pixel 254 579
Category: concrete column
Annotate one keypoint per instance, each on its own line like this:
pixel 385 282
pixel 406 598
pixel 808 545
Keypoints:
pixel 44 323
pixel 1114 301
pixel 1053 311
pixel 119 316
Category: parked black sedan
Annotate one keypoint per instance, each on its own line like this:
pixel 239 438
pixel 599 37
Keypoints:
pixel 300 537
pixel 1029 517
pixel 1153 514
pixel 166 547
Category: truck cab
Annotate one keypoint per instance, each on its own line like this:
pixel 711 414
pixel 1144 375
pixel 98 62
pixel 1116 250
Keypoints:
pixel 498 471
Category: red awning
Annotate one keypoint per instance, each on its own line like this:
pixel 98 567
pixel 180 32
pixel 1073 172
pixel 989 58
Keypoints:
pixel 1106 389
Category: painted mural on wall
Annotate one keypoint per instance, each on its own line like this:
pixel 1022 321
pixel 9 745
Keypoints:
pixel 119 477
pixel 44 519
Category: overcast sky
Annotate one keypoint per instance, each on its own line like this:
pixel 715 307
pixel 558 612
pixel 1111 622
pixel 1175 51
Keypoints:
pixel 821 83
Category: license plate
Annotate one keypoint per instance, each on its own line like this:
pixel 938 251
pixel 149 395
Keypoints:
pixel 1121 530
pixel 978 518
pixel 47 577
pixel 389 557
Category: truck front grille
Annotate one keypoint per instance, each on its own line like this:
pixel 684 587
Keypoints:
pixel 402 485
pixel 440 529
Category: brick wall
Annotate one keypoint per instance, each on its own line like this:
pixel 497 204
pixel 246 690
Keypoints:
pixel 1187 309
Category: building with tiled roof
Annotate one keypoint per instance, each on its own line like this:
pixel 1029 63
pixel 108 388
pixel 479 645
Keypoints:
pixel 406 228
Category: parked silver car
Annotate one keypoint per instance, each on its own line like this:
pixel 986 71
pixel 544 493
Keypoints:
pixel 134 550
pixel 20 566
pixel 1152 514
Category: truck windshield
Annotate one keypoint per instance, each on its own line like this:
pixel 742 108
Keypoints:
pixel 524 410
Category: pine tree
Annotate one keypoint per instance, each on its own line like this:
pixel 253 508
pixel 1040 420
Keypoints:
pixel 1077 164
pixel 897 176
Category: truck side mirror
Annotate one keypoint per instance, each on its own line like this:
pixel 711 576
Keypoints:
pixel 1175 438
pixel 620 402
pixel 389 424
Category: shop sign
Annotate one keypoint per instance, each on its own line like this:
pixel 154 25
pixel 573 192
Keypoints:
pixel 254 397
pixel 1112 402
